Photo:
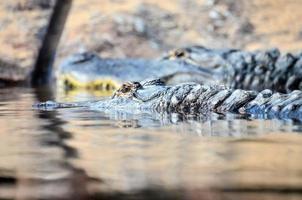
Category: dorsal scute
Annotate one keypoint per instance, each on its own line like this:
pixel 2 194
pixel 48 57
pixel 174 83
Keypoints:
pixel 153 82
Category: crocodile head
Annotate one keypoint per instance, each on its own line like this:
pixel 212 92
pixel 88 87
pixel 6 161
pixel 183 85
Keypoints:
pixel 135 95
pixel 200 56
pixel 90 72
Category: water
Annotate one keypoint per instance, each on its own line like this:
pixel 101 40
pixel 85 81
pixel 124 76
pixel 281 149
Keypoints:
pixel 83 154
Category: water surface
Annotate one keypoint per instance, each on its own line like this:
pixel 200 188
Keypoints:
pixel 80 153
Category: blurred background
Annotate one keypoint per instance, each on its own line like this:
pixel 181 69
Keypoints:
pixel 137 28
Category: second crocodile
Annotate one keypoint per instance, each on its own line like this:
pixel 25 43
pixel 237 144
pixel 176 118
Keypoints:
pixel 249 70
pixel 235 68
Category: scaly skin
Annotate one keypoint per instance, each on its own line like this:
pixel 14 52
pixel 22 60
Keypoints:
pixel 193 98
pixel 239 69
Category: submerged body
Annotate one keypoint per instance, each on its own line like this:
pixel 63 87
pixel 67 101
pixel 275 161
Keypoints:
pixel 193 98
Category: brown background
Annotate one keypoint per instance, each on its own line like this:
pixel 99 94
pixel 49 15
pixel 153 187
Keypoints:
pixel 137 28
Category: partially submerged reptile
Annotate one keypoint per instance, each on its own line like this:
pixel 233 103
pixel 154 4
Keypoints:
pixel 193 98
pixel 235 68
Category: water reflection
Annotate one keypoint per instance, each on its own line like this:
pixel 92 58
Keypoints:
pixel 33 153
pixel 144 150
pixel 81 153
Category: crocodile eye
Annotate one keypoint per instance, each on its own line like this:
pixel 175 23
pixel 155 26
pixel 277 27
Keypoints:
pixel 125 89
pixel 179 53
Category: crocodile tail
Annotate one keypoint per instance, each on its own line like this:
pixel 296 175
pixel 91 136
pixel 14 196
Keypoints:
pixel 275 105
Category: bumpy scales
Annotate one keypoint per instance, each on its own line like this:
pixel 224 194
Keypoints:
pixel 249 70
pixel 235 68
pixel 194 98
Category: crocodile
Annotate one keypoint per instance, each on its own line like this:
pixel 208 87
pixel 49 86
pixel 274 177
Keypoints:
pixel 249 70
pixel 193 98
pixel 90 72
pixel 235 68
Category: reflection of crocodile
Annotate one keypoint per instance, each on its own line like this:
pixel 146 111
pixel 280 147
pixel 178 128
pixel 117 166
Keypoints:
pixel 192 98
pixel 246 70
pixel 234 68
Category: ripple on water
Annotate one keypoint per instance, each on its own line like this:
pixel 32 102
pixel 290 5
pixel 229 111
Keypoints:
pixel 89 153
